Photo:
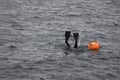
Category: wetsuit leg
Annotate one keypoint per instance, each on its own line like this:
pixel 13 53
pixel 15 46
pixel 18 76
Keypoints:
pixel 76 37
pixel 67 35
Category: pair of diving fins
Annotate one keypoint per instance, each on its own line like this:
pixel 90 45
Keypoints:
pixel 67 36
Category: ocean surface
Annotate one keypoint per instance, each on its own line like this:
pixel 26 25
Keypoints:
pixel 32 41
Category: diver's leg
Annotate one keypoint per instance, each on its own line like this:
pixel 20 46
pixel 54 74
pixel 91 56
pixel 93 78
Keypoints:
pixel 76 37
pixel 67 35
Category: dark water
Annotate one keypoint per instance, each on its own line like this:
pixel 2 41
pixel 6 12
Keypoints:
pixel 32 39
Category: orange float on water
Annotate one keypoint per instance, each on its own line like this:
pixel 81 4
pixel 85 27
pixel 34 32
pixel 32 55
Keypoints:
pixel 94 45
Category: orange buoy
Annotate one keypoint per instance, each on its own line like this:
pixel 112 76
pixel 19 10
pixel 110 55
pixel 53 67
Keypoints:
pixel 94 45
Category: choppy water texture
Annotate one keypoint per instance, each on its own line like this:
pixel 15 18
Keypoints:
pixel 32 39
